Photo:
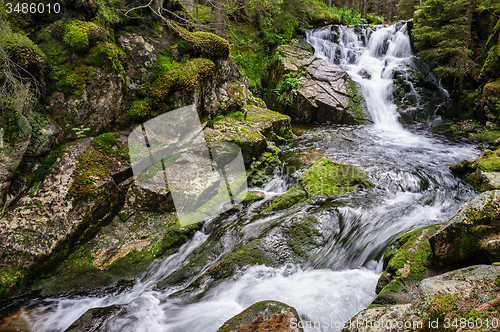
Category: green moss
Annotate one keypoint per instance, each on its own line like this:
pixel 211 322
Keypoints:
pixel 489 162
pixel 11 121
pixel 293 196
pixel 324 178
pixel 228 265
pixel 354 102
pixel 170 76
pixel 94 164
pixel 491 65
pixel 301 237
pixel 406 262
pixel 492 88
pixel 251 197
pixel 413 258
pixel 76 38
pixel 204 43
pixel 107 55
pixel 23 51
pixel 441 305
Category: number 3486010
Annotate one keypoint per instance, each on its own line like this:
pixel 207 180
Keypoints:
pixel 32 8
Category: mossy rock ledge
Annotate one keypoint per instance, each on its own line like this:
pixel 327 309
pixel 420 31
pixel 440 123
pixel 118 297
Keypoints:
pixel 407 261
pixel 324 178
pixel 313 90
pixel 264 316
pixel 483 173
pixel 472 233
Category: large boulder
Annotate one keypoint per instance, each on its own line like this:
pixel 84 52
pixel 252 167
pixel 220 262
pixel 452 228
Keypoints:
pixel 472 232
pixel 310 89
pixel 406 262
pixel 76 198
pixel 264 316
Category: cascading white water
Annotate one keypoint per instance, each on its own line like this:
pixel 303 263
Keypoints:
pixel 370 58
pixel 413 187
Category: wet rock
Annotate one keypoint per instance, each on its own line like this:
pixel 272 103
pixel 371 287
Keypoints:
pixel 310 89
pixel 253 133
pixel 323 179
pixel 94 320
pixel 416 92
pixel 264 316
pixel 467 234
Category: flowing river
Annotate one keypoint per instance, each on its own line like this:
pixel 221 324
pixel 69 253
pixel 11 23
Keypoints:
pixel 413 188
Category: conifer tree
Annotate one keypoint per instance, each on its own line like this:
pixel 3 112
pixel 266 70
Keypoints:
pixel 442 34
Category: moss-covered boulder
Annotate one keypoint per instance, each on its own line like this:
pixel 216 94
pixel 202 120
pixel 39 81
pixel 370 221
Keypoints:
pixel 255 131
pixel 203 43
pixel 473 232
pixel 326 179
pixel 406 262
pixel 310 89
pixel 76 197
pixel 439 303
pixel 24 52
pixel 45 132
pixel 264 316
pixel 483 173
pixel 86 81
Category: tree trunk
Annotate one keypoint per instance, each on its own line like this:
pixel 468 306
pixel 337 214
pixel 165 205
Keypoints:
pixel 220 16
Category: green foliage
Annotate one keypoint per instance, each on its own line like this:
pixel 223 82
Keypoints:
pixel 80 132
pixel 441 36
pixel 406 8
pixel 287 88
pixel 374 19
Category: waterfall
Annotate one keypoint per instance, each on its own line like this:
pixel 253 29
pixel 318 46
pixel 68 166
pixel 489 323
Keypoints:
pixel 413 188
pixel 370 54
